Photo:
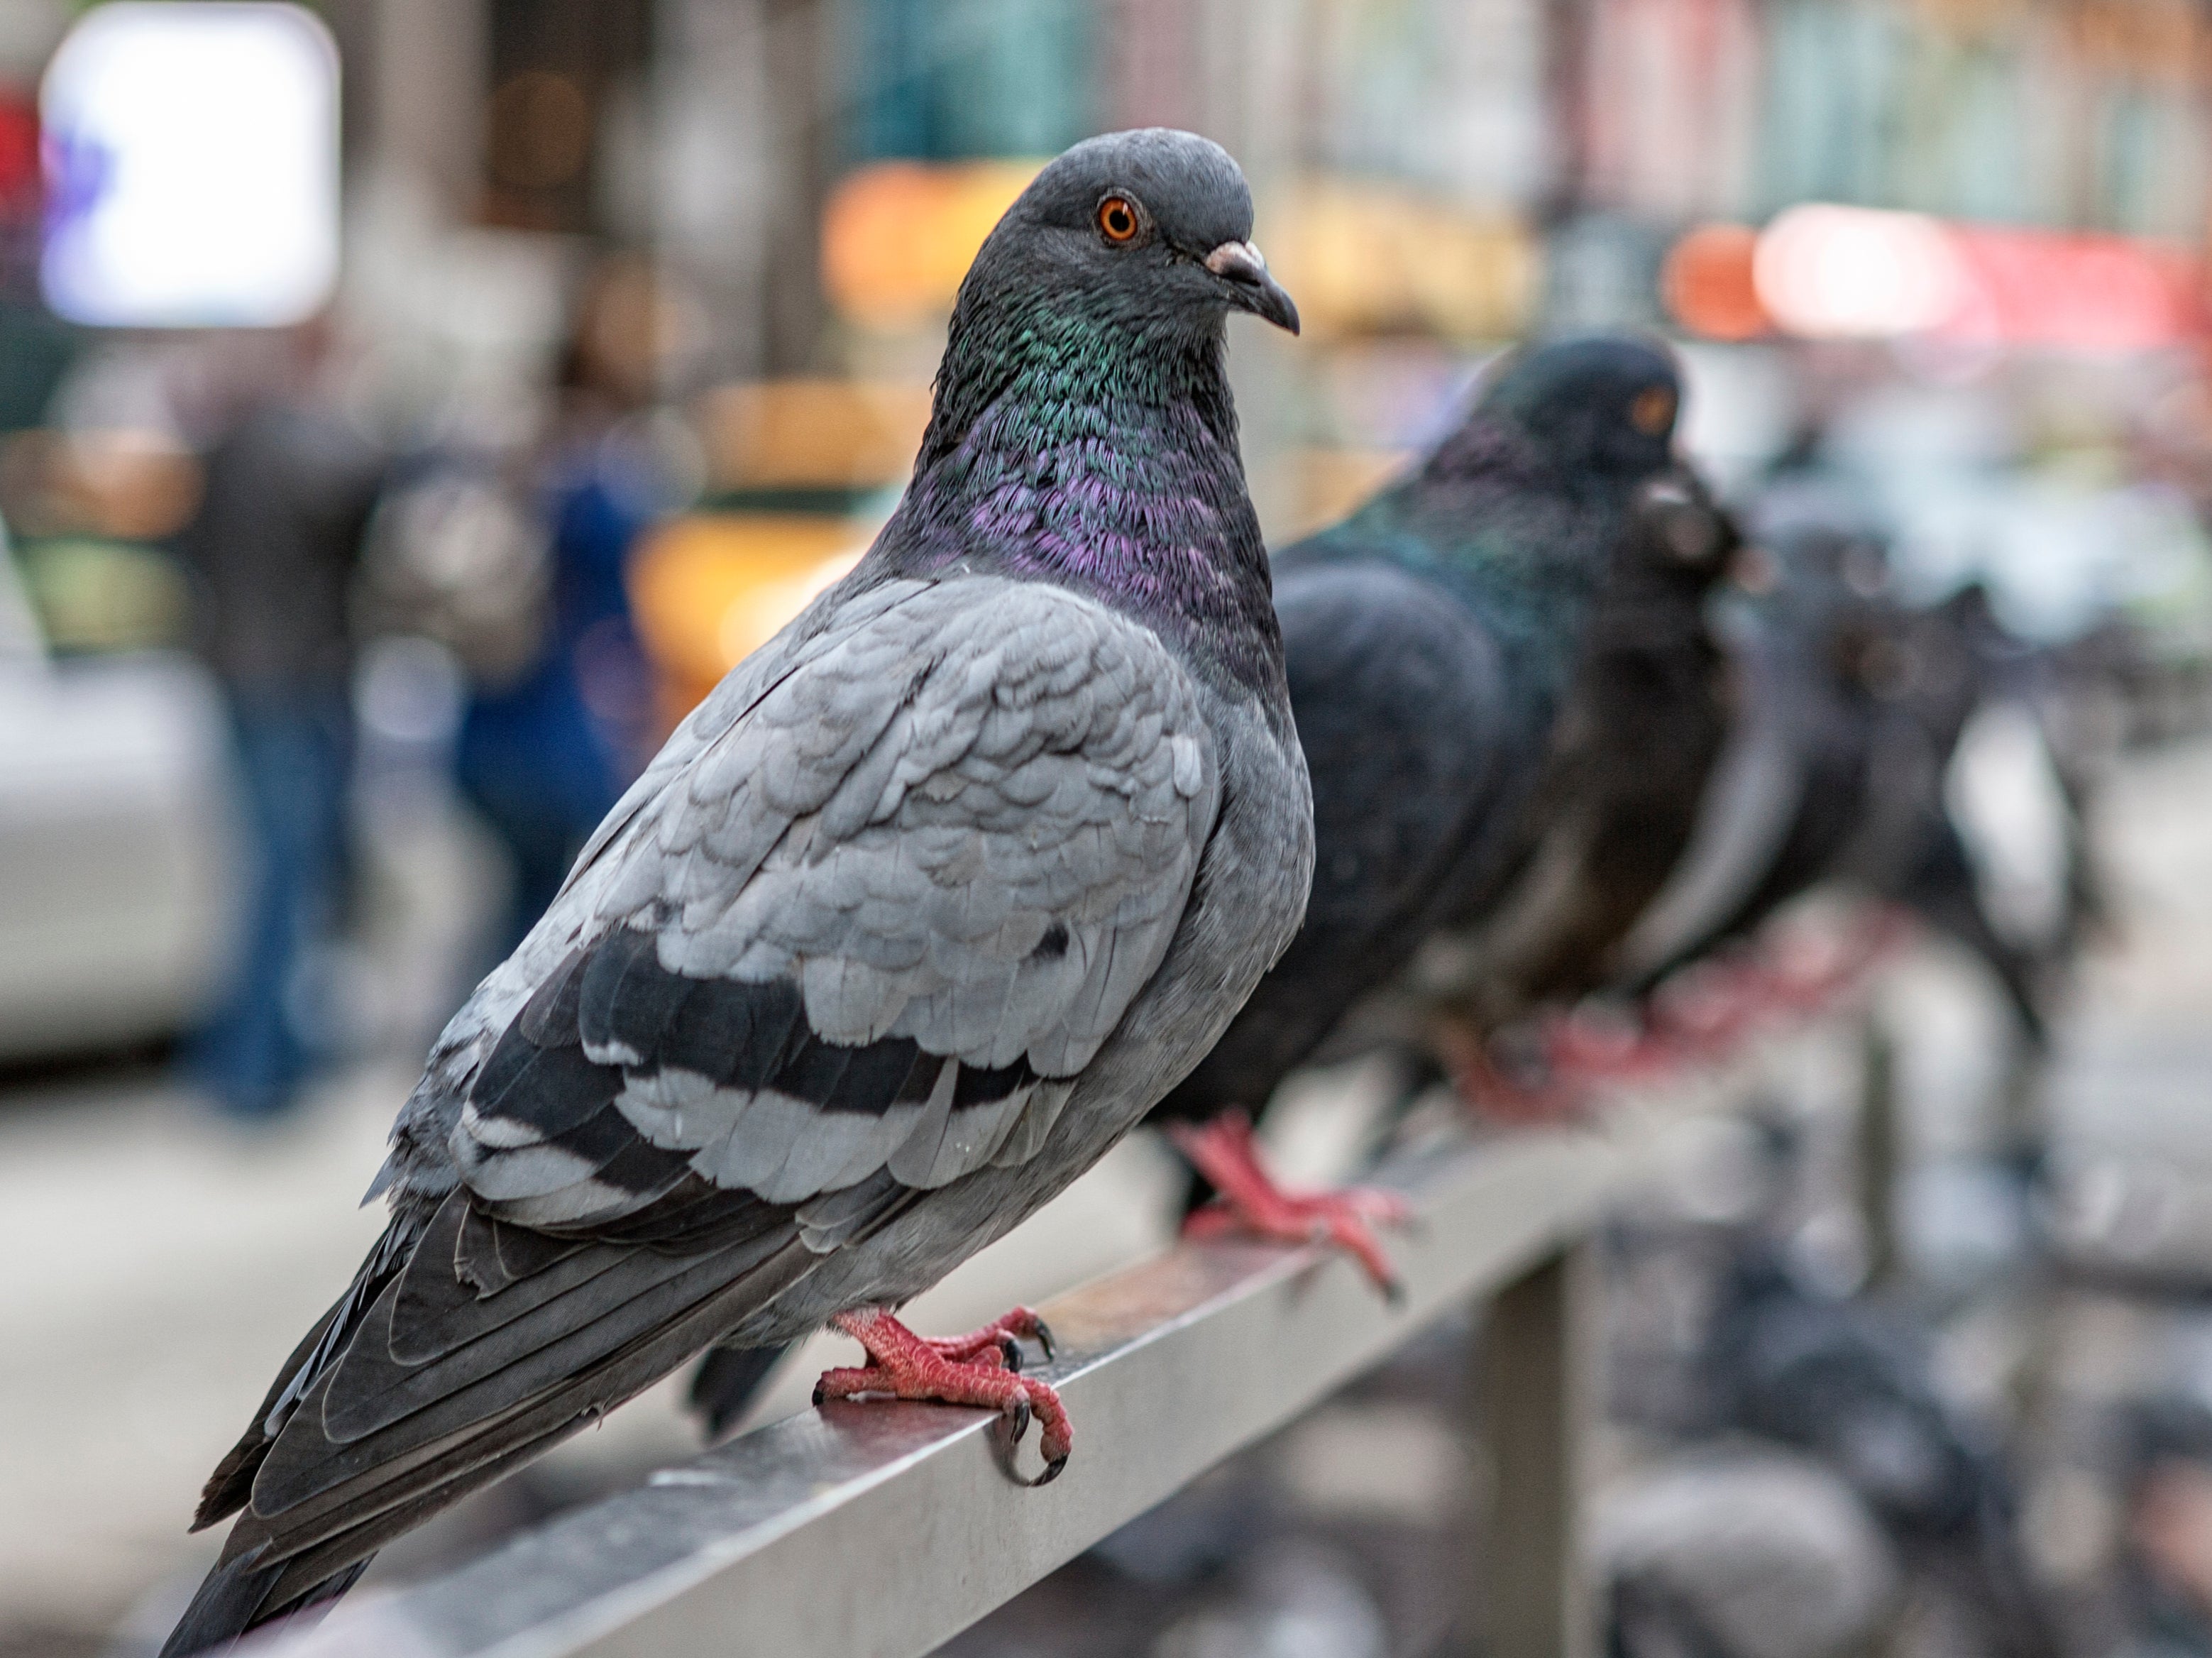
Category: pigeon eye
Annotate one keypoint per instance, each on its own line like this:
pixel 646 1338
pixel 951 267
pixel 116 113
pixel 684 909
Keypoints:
pixel 1652 411
pixel 1118 219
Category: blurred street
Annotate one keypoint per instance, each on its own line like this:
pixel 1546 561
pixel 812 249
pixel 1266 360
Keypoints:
pixel 1736 486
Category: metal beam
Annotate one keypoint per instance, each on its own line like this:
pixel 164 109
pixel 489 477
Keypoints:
pixel 879 1531
pixel 1530 1596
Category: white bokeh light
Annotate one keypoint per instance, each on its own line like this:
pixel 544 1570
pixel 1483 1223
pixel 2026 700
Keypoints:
pixel 192 159
pixel 1832 272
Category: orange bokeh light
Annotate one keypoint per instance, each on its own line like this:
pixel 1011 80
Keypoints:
pixel 898 236
pixel 1707 283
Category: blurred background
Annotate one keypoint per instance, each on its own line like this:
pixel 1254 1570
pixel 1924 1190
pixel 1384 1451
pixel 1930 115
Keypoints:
pixel 410 408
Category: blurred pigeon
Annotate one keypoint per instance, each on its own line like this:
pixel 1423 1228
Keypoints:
pixel 1782 1355
pixel 2004 864
pixel 1810 658
pixel 1843 769
pixel 1636 742
pixel 911 920
pixel 1741 1552
pixel 1854 1385
pixel 1431 638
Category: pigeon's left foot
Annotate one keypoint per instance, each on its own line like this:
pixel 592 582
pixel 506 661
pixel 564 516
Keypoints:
pixel 969 1370
pixel 1250 1201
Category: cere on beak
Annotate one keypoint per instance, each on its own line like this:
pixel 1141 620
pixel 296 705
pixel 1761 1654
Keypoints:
pixel 1239 264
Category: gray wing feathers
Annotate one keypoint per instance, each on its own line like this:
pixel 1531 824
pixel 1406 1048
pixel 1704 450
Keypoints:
pixel 973 822
pixel 894 884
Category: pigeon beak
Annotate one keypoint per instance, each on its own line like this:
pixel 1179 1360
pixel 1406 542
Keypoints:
pixel 1239 264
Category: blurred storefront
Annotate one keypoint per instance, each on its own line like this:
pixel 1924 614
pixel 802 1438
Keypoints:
pixel 1436 178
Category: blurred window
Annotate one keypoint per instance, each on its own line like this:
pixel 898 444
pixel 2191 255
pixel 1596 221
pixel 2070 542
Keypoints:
pixel 563 73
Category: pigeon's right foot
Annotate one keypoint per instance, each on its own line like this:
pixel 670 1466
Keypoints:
pixel 1223 1150
pixel 969 1370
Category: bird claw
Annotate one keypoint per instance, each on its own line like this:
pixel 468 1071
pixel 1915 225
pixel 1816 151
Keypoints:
pixel 1053 1441
pixel 1001 1335
pixel 1250 1202
pixel 977 1368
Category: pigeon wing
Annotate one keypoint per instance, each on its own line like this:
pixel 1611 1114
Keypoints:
pixel 877 924
pixel 879 909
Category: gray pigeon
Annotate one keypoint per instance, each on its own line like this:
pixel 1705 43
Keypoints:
pixel 917 914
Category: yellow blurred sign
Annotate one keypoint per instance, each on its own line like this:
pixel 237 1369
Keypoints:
pixel 708 589
pixel 898 236
pixel 1362 256
pixel 812 434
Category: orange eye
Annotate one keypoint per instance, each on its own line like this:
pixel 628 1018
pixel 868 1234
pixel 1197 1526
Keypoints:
pixel 1653 412
pixel 1118 219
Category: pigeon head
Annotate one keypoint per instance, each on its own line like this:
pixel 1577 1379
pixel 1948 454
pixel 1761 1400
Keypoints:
pixel 1108 282
pixel 1083 430
pixel 1605 405
pixel 1151 230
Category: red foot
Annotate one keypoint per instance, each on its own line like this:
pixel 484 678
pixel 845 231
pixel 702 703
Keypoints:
pixel 1582 1050
pixel 970 1369
pixel 1251 1202
pixel 999 1336
pixel 1493 1093
pixel 1710 1007
pixel 1706 1008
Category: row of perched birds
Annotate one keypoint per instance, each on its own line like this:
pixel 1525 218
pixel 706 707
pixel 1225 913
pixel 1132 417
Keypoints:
pixel 1066 808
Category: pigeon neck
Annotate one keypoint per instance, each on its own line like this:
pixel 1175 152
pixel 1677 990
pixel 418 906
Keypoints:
pixel 1106 460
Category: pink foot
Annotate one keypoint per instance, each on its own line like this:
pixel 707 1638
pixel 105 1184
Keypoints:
pixel 1493 1093
pixel 1002 1336
pixel 1250 1201
pixel 969 1370
pixel 1707 1008
pixel 1580 1049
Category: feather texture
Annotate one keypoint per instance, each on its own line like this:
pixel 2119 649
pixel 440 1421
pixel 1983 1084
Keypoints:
pixel 907 923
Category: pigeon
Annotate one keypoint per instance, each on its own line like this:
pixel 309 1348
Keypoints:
pixel 1777 1352
pixel 1812 656
pixel 1636 739
pixel 919 912
pixel 1388 679
pixel 1854 1384
pixel 1933 860
pixel 1431 638
pixel 1841 770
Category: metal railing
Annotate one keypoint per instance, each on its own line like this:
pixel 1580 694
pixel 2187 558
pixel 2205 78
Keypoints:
pixel 872 1531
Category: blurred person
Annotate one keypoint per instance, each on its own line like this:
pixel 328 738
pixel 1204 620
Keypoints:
pixel 271 551
pixel 544 753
